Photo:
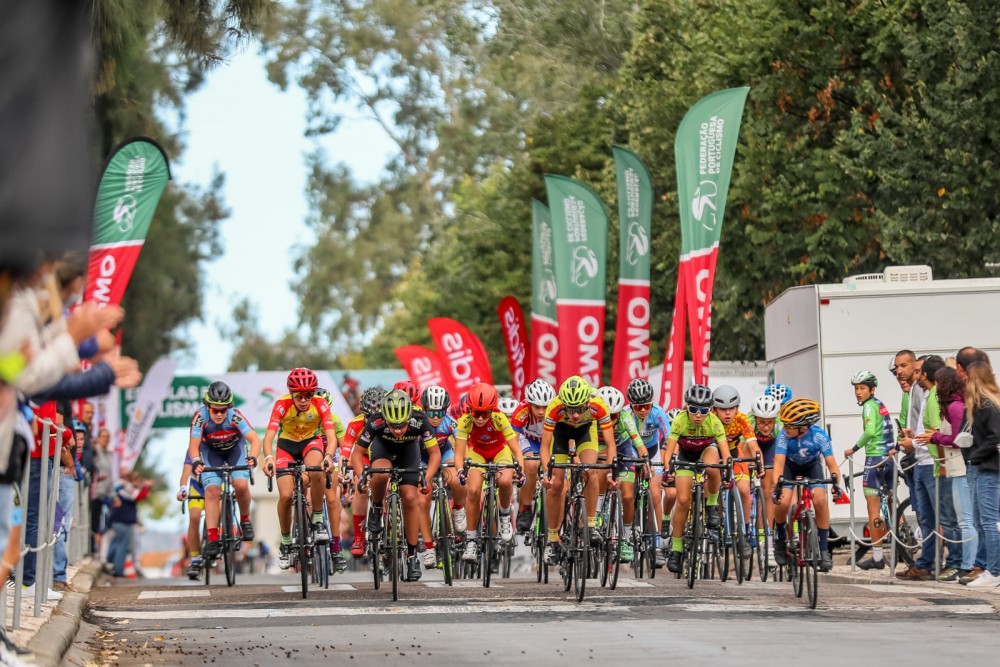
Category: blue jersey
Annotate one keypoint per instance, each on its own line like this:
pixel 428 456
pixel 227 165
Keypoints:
pixel 655 429
pixel 810 446
pixel 220 437
pixel 445 434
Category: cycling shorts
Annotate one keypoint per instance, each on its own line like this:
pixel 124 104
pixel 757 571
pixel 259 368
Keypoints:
pixel 237 456
pixel 585 436
pixel 399 455
pixel 627 473
pixel 530 446
pixel 767 451
pixel 810 470
pixel 741 471
pixel 196 503
pixel 688 456
pixel 874 477
pixel 290 452
pixel 503 456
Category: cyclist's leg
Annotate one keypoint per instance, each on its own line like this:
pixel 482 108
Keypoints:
pixel 527 491
pixel 587 452
pixel 505 479
pixel 212 483
pixel 556 498
pixel 474 493
pixel 683 483
pixel 656 493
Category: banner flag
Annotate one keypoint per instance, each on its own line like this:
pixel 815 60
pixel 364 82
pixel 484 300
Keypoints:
pixel 130 189
pixel 704 150
pixel 580 235
pixel 424 368
pixel 635 216
pixel 515 335
pixel 672 387
pixel 154 389
pixel 544 325
pixel 462 354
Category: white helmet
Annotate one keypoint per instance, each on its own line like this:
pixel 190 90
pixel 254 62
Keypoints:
pixel 507 405
pixel 672 414
pixel 539 392
pixel 765 407
pixel 614 398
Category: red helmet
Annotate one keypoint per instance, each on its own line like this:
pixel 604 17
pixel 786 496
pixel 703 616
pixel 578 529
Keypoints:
pixel 409 388
pixel 460 407
pixel 483 397
pixel 302 379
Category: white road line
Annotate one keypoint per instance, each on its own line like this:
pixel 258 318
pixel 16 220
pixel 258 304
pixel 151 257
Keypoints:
pixel 633 583
pixel 469 583
pixel 333 587
pixel 160 595
pixel 910 590
pixel 721 608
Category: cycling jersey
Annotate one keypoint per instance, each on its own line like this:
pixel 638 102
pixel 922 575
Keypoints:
pixel 445 434
pixel 626 436
pixel 220 437
pixel 527 428
pixel 351 433
pixel 300 426
pixel 418 431
pixel 738 432
pixel 654 430
pixel 811 446
pixel 556 414
pixel 878 436
pixel 487 440
pixel 692 437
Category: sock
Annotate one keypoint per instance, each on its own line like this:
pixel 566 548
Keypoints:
pixel 358 520
pixel 627 531
pixel 591 521
pixel 411 550
pixel 456 506
pixel 712 499
pixel 505 510
pixel 877 555
pixel 244 518
pixel 600 503
pixel 286 539
pixel 824 539
pixel 317 517
pixel 677 544
pixel 213 534
pixel 524 509
pixel 659 541
pixel 195 554
pixel 428 545
pixel 665 518
pixel 746 528
pixel 780 531
pixel 375 510
pixel 335 545
pixel 471 534
pixel 553 534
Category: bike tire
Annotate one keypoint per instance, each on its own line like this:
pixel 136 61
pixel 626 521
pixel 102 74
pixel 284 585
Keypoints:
pixel 491 522
pixel 908 544
pixel 206 563
pixel 810 540
pixel 228 546
pixel 795 569
pixel 692 557
pixel 614 542
pixel 541 537
pixel 639 536
pixel 761 533
pixel 738 535
pixel 722 555
pixel 322 566
pixel 605 556
pixel 649 536
pixel 443 538
pixel 393 543
pixel 302 522
pixel 582 549
pixel 568 540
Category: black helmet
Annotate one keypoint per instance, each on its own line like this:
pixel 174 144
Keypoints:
pixel 640 391
pixel 371 400
pixel 218 393
pixel 699 396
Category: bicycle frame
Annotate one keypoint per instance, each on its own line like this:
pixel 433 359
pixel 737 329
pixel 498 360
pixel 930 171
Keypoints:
pixel 489 524
pixel 391 542
pixel 230 531
pixel 302 534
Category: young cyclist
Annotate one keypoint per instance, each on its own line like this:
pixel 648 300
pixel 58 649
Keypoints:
pixel 371 403
pixel 527 423
pixel 764 415
pixel 436 401
pixel 742 444
pixel 301 417
pixel 801 450
pixel 575 414
pixel 218 436
pixel 782 392
pixel 654 429
pixel 695 435
pixel 878 441
pixel 629 444
pixel 333 505
pixel 484 436
pixel 193 494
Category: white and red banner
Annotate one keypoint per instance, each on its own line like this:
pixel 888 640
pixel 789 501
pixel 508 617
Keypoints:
pixel 515 336
pixel 424 367
pixel 461 352
pixel 544 326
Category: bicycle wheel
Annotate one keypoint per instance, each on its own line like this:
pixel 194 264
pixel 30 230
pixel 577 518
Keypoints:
pixel 811 557
pixel 567 541
pixel 613 543
pixel 693 547
pixel 649 536
pixel 639 535
pixel 508 558
pixel 581 549
pixel 540 537
pixel 491 522
pixel 394 542
pixel 908 533
pixel 206 563
pixel 604 519
pixel 228 538
pixel 375 558
pixel 302 522
pixel 738 535
pixel 442 536
pixel 321 566
pixel 795 570
pixel 761 533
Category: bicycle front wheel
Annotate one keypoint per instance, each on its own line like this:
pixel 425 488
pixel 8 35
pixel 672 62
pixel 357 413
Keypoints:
pixel 229 537
pixel 613 543
pixel 738 535
pixel 491 522
pixel 649 536
pixel 540 537
pixel 581 550
pixel 442 536
pixel 812 556
pixel 395 543
pixel 302 526
pixel 639 531
pixel 762 532
pixel 692 557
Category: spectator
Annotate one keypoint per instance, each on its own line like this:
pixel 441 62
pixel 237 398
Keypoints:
pixel 982 403
pixel 101 488
pixel 922 487
pixel 129 491
pixel 69 477
pixel 903 369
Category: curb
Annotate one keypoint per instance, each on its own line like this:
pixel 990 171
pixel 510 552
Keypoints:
pixel 992 598
pixel 56 635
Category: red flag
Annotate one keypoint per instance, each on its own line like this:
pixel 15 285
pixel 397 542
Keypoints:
pixel 461 352
pixel 515 335
pixel 699 272
pixel 424 367
pixel 673 362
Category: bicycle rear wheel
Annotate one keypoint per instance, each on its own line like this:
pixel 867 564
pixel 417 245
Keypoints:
pixel 692 556
pixel 321 565
pixel 649 536
pixel 302 525
pixel 795 566
pixel 394 543
pixel 639 531
pixel 491 521
pixel 540 537
pixel 811 557
pixel 228 539
pixel 908 544
pixel 206 563
pixel 613 541
pixel 604 517
pixel 375 558
pixel 581 549
pixel 568 542
pixel 762 533
pixel 442 536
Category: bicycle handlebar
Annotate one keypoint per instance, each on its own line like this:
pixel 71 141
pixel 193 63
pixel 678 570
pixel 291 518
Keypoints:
pixel 226 468
pixel 803 481
pixel 369 471
pixel 298 470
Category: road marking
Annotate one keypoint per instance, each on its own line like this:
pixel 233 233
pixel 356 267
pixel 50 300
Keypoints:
pixel 333 587
pixel 632 583
pixel 160 595
pixel 911 590
pixel 723 608
pixel 468 583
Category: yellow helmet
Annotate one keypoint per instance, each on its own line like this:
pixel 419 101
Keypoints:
pixel 799 412
pixel 575 392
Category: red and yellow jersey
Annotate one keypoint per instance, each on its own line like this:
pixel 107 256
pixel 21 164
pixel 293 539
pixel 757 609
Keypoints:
pixel 738 431
pixel 599 412
pixel 488 440
pixel 351 433
pixel 290 424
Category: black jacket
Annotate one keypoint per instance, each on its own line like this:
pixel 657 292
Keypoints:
pixel 985 437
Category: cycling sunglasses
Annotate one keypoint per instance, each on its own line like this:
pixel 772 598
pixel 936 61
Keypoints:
pixel 642 406
pixel 481 414
pixel 577 411
pixel 699 409
pixel 302 395
pixel 436 414
pixel 218 411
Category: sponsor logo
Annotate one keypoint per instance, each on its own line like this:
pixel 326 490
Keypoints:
pixel 124 213
pixel 638 243
pixel 547 289
pixel 584 265
pixel 703 204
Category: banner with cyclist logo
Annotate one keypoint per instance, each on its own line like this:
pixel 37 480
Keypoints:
pixel 635 216
pixel 130 190
pixel 580 235
pixel 515 336
pixel 544 325
pixel 704 150
pixel 424 367
pixel 461 352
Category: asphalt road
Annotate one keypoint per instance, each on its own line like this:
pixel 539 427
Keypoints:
pixel 518 621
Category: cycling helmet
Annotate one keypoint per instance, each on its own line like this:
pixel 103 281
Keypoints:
pixel 79 426
pixel 698 395
pixel 782 392
pixel 325 395
pixel 218 393
pixel 672 414
pixel 725 396
pixel 507 405
pixel 574 392
pixel 371 400
pixel 397 407
pixel 410 389
pixel 640 391
pixel 302 379
pixel 460 408
pixel 614 398
pixel 435 398
pixel 866 378
pixel 800 412
pixel 483 397
pixel 765 407
pixel 539 392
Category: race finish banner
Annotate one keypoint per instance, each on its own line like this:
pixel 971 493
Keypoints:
pixel 544 325
pixel 515 336
pixel 424 367
pixel 130 189
pixel 635 215
pixel 704 150
pixel 151 394
pixel 461 352
pixel 580 235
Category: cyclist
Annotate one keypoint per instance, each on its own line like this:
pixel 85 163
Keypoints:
pixel 392 438
pixel 301 417
pixel 742 443
pixel 695 435
pixel 218 436
pixel 764 415
pixel 576 413
pixel 527 423
pixel 782 392
pixel 654 429
pixel 333 505
pixel 802 447
pixel 411 391
pixel 193 494
pixel 878 441
pixel 371 403
pixel 507 405
pixel 436 401
pixel 484 435
pixel 629 444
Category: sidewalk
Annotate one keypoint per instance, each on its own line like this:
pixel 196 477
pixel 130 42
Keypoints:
pixel 842 574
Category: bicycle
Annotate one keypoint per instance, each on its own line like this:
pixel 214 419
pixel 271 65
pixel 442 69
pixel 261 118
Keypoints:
pixel 611 525
pixel 489 539
pixel 538 535
pixel 760 526
pixel 574 535
pixel 736 539
pixel 393 548
pixel 303 539
pixel 804 556
pixel 442 526
pixel 700 555
pixel 230 531
pixel 905 538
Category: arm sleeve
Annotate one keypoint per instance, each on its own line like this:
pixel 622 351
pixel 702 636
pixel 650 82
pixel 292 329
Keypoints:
pixel 94 382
